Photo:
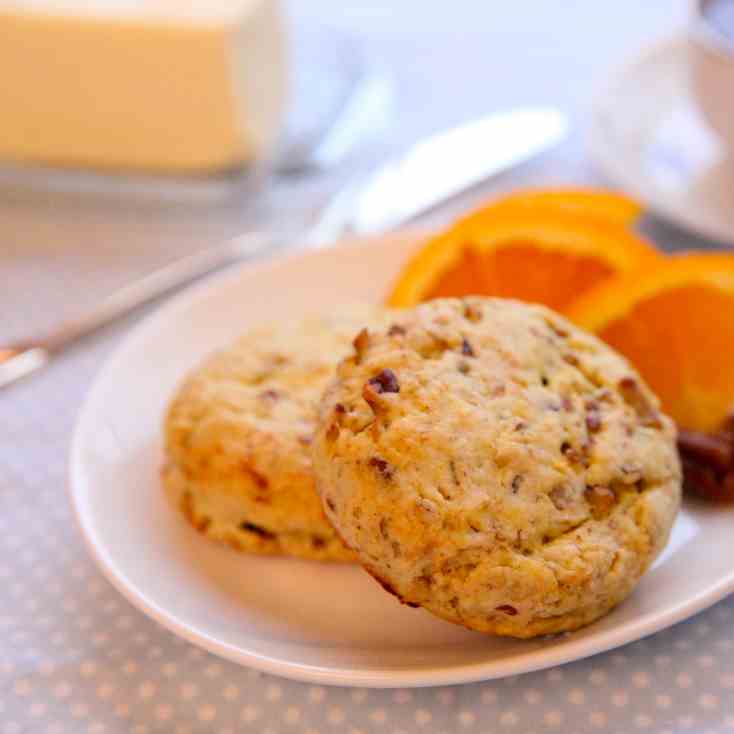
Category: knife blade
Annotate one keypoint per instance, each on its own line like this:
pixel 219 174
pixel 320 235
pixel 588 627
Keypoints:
pixel 437 169
pixel 430 173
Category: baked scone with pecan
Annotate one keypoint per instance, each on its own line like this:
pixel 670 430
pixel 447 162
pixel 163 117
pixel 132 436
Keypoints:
pixel 238 434
pixel 492 463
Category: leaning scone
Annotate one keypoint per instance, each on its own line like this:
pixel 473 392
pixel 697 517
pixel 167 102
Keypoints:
pixel 238 435
pixel 494 464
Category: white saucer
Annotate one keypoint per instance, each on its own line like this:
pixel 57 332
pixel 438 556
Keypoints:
pixel 648 138
pixel 310 621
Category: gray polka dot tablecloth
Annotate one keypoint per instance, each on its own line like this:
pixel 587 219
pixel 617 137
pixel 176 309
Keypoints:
pixel 75 657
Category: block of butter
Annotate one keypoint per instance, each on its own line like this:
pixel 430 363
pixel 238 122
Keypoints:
pixel 163 86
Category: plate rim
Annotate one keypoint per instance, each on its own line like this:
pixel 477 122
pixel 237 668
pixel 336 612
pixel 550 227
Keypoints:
pixel 612 167
pixel 531 661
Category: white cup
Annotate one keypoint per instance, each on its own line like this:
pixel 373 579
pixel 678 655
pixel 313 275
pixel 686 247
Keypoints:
pixel 711 65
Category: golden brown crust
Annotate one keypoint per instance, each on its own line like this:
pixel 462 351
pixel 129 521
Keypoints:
pixel 238 434
pixel 494 464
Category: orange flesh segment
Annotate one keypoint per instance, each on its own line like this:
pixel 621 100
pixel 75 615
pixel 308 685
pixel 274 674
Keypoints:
pixel 524 272
pixel 683 351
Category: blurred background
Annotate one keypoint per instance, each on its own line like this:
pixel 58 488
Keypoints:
pixel 447 63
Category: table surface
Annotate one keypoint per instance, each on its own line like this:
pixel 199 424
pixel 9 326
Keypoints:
pixel 74 656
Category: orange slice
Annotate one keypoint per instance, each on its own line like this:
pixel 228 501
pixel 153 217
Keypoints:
pixel 598 204
pixel 546 256
pixel 674 320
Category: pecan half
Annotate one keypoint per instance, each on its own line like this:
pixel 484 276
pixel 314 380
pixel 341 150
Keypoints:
pixel 385 381
pixel 382 467
pixel 638 401
pixel 466 348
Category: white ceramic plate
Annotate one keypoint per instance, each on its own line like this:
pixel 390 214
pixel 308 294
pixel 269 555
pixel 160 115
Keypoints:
pixel 648 138
pixel 306 620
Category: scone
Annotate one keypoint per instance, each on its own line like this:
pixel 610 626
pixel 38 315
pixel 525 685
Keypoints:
pixel 494 464
pixel 238 435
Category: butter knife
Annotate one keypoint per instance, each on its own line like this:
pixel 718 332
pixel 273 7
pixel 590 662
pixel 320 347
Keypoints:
pixel 430 173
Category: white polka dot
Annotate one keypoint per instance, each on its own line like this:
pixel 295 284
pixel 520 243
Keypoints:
pixel 640 679
pixel 249 713
pixel 422 717
pixel 87 669
pixel 598 718
pixel 62 690
pixel 489 696
pixel 576 696
pixel 147 689
pixel 708 701
pixel 508 718
pixel 292 715
pixel 553 718
pixel 22 687
pixel 378 716
pixel 643 721
pixel 273 692
pixel 358 695
pixel 189 691
pixel 46 667
pixel 37 709
pixel 663 701
pixel 335 715
pixel 79 710
pixel 316 694
pixel 105 690
pixel 100 639
pixel 532 696
pixel 467 718
pixel 231 693
pixel 206 712
pixel 163 712
pixel 402 696
pixel 683 680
